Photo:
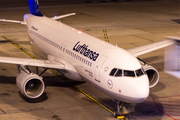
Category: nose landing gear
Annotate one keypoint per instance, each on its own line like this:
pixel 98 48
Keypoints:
pixel 120 112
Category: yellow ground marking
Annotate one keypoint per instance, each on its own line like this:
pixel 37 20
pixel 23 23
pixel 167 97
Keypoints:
pixel 105 35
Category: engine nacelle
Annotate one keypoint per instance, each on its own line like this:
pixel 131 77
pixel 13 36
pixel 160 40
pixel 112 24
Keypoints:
pixel 30 85
pixel 152 74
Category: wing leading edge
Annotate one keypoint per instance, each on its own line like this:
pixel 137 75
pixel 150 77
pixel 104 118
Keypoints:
pixel 150 47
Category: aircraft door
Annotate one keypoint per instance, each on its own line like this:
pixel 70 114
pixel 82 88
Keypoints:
pixel 99 68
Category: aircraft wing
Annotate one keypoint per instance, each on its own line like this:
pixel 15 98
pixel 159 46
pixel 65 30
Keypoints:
pixel 150 47
pixel 32 62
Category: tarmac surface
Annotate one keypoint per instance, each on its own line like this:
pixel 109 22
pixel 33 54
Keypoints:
pixel 129 25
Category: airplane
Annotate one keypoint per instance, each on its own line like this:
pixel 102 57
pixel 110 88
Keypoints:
pixel 116 72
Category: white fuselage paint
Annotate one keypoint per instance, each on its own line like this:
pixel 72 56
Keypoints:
pixel 94 60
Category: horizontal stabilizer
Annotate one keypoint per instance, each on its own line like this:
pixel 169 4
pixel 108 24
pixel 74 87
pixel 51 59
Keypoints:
pixel 172 57
pixel 13 21
pixel 62 16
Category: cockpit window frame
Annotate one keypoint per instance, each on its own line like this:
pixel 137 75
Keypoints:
pixel 119 73
pixel 112 73
pixel 141 70
pixel 116 72
pixel 130 73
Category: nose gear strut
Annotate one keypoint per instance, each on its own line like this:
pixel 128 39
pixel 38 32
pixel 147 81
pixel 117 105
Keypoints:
pixel 120 110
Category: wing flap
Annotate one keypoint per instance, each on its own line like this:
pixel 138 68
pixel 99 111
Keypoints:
pixel 32 62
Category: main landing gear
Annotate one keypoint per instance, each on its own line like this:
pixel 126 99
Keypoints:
pixel 120 112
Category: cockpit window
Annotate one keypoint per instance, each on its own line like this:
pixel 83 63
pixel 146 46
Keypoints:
pixel 113 71
pixel 139 72
pixel 118 73
pixel 129 73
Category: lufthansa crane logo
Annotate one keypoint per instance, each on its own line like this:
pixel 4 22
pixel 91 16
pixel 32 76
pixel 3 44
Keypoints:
pixel 110 83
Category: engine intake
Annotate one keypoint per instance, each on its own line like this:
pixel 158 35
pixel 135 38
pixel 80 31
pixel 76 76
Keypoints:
pixel 152 74
pixel 30 85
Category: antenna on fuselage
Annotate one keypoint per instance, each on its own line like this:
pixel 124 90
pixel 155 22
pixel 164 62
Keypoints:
pixel 116 46
pixel 60 22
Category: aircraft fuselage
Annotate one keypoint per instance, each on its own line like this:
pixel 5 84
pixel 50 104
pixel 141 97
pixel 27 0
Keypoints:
pixel 109 68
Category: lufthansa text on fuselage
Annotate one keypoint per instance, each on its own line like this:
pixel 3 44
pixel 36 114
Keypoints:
pixel 83 49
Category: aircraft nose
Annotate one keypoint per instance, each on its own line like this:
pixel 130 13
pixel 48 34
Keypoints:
pixel 141 91
pixel 142 94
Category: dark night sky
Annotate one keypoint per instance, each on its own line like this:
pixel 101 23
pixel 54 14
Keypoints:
pixel 16 3
pixel 19 3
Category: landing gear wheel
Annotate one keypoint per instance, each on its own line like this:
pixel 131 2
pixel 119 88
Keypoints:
pixel 118 112
pixel 115 114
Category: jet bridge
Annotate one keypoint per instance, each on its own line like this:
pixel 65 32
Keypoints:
pixel 172 57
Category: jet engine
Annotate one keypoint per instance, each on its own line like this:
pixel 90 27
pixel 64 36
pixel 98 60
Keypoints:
pixel 30 85
pixel 151 72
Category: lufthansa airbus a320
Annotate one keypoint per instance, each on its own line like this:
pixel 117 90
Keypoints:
pixel 81 57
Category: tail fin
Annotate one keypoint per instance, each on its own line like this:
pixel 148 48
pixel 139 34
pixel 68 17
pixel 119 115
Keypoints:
pixel 172 57
pixel 34 8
